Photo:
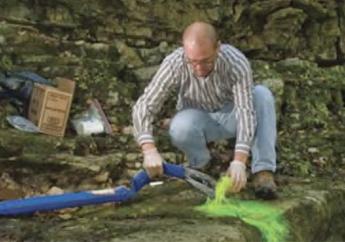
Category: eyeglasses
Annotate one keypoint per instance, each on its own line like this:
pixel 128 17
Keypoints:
pixel 205 62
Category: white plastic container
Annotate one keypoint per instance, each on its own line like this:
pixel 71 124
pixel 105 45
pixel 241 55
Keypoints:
pixel 89 127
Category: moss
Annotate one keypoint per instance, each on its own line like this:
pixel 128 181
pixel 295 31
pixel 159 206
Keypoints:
pixel 6 63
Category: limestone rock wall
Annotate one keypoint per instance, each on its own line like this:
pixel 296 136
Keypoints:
pixel 112 44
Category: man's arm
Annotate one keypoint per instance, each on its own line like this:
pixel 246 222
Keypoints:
pixel 246 121
pixel 145 111
pixel 245 114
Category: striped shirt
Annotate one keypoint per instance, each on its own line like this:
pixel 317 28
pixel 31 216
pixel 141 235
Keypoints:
pixel 230 81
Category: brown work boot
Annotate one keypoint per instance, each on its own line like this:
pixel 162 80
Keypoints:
pixel 264 185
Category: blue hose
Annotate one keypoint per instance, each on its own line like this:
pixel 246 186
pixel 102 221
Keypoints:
pixel 47 203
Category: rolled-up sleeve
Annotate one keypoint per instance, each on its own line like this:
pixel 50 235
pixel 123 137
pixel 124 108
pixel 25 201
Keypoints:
pixel 151 101
pixel 243 100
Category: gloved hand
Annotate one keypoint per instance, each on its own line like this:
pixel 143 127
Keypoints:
pixel 237 173
pixel 153 162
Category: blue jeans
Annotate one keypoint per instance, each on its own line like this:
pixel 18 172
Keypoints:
pixel 192 129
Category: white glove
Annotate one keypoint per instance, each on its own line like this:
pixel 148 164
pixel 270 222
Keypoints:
pixel 153 162
pixel 237 172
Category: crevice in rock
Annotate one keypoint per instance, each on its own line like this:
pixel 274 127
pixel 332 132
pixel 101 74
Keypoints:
pixel 340 55
pixel 329 63
pixel 343 96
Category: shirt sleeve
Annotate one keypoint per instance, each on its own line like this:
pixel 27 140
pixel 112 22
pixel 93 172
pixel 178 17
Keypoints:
pixel 243 100
pixel 151 101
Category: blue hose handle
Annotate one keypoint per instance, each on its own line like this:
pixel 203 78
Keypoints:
pixel 46 203
pixel 142 178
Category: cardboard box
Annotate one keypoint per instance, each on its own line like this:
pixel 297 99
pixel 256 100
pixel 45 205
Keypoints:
pixel 49 106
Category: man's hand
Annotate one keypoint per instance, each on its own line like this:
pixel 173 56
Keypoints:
pixel 153 162
pixel 237 173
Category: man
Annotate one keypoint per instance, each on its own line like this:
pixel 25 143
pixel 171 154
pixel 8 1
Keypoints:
pixel 216 100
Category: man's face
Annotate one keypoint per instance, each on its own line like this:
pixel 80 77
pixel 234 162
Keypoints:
pixel 201 58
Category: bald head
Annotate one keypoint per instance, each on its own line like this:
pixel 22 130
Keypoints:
pixel 200 34
pixel 200 46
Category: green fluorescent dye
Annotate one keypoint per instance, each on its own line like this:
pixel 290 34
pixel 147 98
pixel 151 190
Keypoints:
pixel 267 219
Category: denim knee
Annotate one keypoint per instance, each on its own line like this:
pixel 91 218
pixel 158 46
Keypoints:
pixel 263 95
pixel 184 126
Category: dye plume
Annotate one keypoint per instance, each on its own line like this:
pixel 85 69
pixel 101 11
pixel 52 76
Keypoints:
pixel 267 219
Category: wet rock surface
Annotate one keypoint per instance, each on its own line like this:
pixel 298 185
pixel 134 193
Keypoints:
pixel 314 207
